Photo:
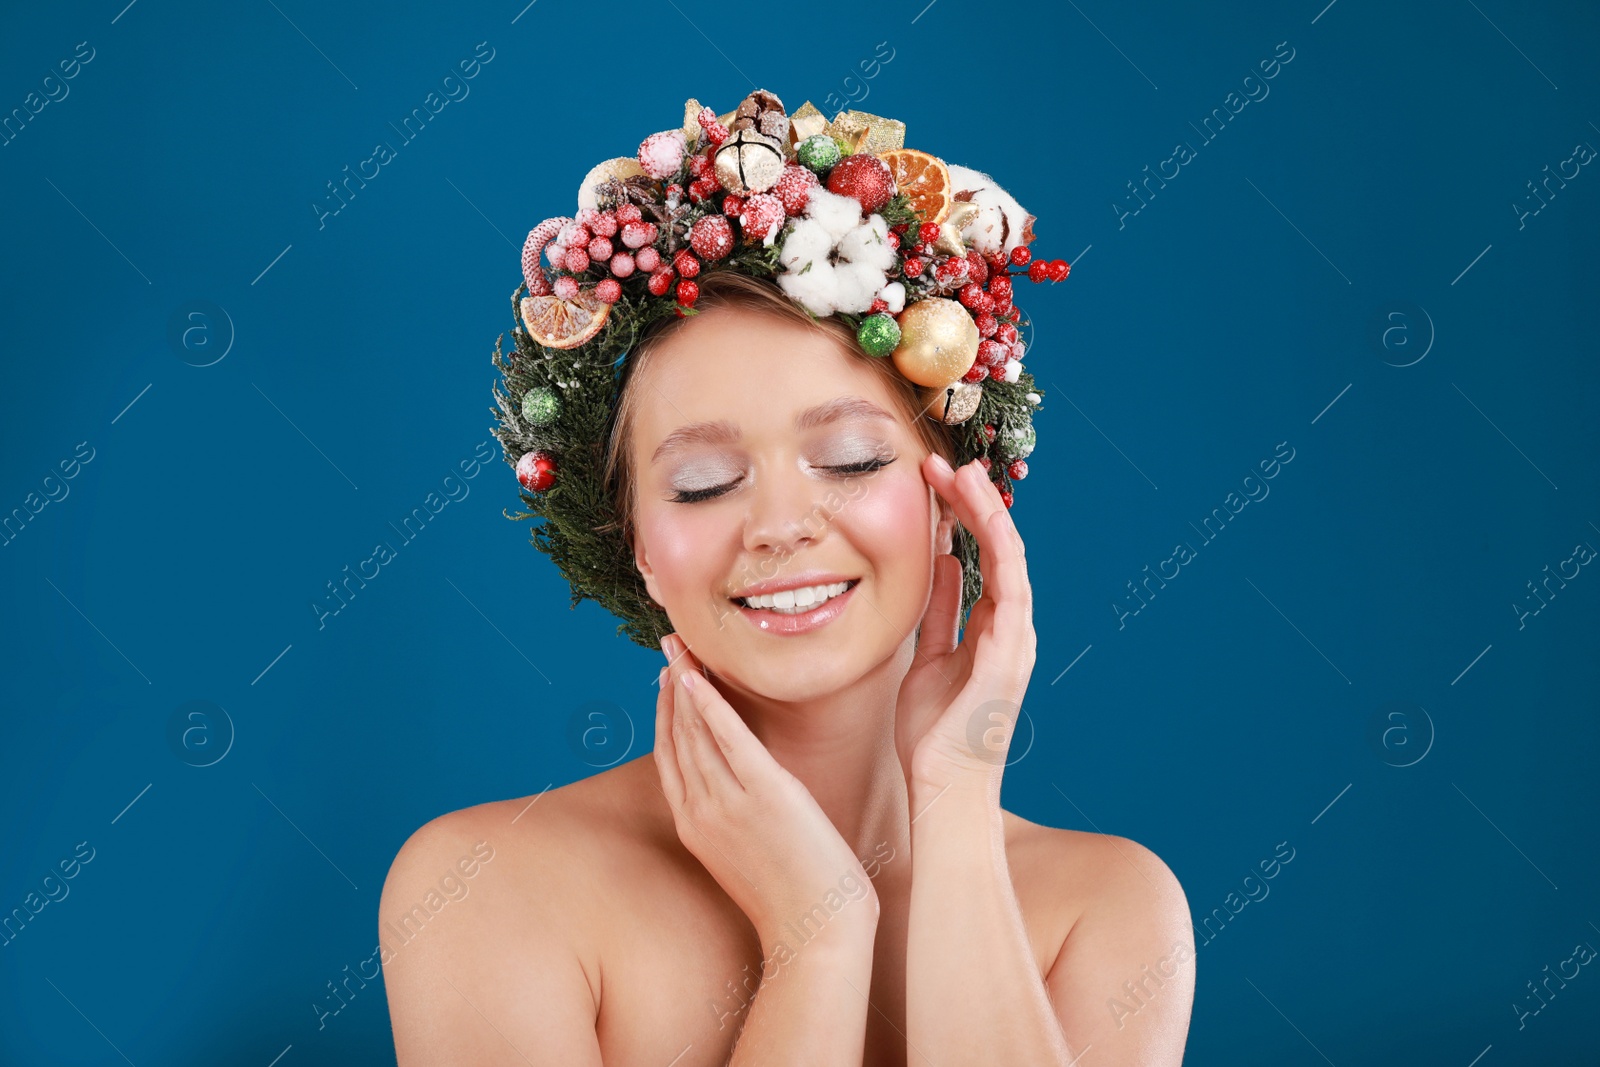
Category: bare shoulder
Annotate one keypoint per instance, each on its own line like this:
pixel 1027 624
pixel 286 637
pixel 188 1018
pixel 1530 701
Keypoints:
pixel 1123 975
pixel 489 909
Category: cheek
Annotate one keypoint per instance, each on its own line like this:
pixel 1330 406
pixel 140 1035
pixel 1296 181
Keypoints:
pixel 679 543
pixel 888 521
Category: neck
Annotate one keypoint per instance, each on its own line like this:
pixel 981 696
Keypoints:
pixel 841 748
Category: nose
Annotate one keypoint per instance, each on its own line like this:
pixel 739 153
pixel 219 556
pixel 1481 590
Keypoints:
pixel 787 511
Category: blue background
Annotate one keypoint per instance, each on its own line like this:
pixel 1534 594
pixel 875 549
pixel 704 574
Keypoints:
pixel 1248 302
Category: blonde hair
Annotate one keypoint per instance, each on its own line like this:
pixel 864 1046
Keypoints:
pixel 731 289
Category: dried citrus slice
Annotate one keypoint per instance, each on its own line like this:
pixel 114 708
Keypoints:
pixel 924 178
pixel 558 323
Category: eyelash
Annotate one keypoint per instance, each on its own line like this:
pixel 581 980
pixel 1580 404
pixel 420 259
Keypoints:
pixel 692 496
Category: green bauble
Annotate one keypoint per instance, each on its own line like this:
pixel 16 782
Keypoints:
pixel 818 152
pixel 541 405
pixel 879 334
pixel 1014 447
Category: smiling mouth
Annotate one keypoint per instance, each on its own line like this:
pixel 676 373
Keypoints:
pixel 797 601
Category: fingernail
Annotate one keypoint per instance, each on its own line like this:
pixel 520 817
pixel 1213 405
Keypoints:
pixel 661 679
pixel 665 651
pixel 689 680
pixel 942 463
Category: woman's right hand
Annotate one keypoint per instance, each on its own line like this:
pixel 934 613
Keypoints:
pixel 754 826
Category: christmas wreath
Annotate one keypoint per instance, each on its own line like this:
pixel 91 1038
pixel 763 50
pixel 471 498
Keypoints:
pixel 915 254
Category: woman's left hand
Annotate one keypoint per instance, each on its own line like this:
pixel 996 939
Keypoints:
pixel 959 703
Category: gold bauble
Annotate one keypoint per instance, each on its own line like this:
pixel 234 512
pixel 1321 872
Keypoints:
pixel 953 404
pixel 938 342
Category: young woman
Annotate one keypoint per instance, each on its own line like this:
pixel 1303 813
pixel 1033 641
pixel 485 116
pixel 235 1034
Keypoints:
pixel 812 866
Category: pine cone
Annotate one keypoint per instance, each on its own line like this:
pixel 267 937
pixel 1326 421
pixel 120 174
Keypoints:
pixel 762 112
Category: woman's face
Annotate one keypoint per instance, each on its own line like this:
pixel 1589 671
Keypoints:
pixel 761 460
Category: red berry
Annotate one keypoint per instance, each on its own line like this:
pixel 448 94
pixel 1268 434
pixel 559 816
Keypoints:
pixel 996 262
pixel 600 248
pixel 988 433
pixel 622 264
pixel 985 462
pixel 972 295
pixel 686 265
pixel 1000 287
pixel 661 281
pixel 977 266
pixel 1059 269
pixel 1017 469
pixel 987 324
pixel 646 259
pixel 794 188
pixel 1038 270
pixel 606 224
pixel 732 204
pixel 701 188
pixel 894 240
pixel 878 305
pixel 609 290
pixel 711 237
pixel 639 234
pixel 913 266
pixel 976 373
pixel 701 166
pixel 577 260
pixel 1005 333
pixel 564 287
pixel 928 233
pixel 1006 497
pixel 993 353
pixel 688 293
pixel 674 191
pixel 1020 255
pixel 629 213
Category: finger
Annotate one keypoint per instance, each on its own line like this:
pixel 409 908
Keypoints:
pixel 1006 574
pixel 963 488
pixel 746 758
pixel 665 751
pixel 941 623
pixel 684 728
pixel 719 776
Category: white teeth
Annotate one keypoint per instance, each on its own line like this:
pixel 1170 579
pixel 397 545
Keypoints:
pixel 794 601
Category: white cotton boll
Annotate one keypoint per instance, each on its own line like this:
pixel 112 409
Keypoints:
pixel 858 284
pixel 807 242
pixel 894 294
pixel 837 214
pixel 998 224
pixel 1011 371
pixel 868 244
pixel 816 288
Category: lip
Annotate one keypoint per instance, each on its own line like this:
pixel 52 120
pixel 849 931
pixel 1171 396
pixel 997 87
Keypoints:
pixel 804 622
pixel 797 581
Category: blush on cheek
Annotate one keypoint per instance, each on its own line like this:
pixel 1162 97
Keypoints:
pixel 679 544
pixel 888 522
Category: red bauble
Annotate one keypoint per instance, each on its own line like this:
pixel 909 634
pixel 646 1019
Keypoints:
pixel 536 471
pixel 794 188
pixel 1018 469
pixel 866 178
pixel 688 293
pixel 711 237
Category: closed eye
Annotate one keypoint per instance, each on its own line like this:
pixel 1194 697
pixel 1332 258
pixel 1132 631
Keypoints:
pixel 691 496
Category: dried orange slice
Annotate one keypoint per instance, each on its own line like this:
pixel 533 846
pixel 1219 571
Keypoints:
pixel 924 178
pixel 558 323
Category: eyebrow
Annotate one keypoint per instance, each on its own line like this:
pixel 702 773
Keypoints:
pixel 721 431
